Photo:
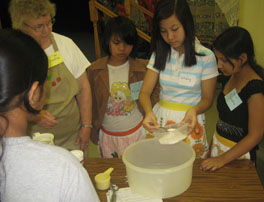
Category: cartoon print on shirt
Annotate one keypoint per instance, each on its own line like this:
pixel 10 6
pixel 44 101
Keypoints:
pixel 120 103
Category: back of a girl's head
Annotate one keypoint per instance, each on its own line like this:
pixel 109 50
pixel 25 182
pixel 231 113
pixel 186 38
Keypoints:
pixel 122 27
pixel 233 42
pixel 22 61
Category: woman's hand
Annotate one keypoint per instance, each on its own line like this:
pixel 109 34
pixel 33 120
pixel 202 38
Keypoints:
pixel 83 138
pixel 45 119
pixel 150 122
pixel 190 118
pixel 212 164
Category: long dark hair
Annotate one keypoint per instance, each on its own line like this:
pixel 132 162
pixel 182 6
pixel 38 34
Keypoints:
pixel 22 62
pixel 233 42
pixel 163 10
pixel 125 29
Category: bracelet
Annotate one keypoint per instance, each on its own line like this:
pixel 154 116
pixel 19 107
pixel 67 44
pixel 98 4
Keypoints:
pixel 87 125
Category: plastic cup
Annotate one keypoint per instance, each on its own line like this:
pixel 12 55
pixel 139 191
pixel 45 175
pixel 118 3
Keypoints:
pixel 46 138
pixel 78 154
pixel 102 180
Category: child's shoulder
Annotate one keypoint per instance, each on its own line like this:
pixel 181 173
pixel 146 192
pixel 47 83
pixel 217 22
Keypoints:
pixel 138 64
pixel 143 61
pixel 101 62
pixel 140 61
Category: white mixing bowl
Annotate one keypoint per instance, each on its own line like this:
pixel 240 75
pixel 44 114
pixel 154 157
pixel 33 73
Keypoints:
pixel 159 171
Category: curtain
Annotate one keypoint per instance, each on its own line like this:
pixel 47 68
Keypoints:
pixel 212 17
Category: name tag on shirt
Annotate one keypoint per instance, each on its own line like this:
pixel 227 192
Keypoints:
pixel 55 59
pixel 233 100
pixel 135 89
pixel 186 79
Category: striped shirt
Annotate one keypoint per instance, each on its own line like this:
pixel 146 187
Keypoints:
pixel 180 84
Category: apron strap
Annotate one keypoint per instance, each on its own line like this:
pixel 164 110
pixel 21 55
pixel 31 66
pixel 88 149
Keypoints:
pixel 224 141
pixel 53 43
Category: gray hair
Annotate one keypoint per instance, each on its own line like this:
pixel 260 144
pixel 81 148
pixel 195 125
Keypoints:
pixel 20 10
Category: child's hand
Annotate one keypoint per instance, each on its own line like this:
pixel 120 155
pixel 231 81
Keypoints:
pixel 190 118
pixel 150 122
pixel 212 164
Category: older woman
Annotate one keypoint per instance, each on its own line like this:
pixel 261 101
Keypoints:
pixel 67 110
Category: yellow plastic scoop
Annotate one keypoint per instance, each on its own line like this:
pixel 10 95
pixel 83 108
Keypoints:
pixel 102 180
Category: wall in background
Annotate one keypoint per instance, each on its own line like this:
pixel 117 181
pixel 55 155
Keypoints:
pixel 71 16
pixel 251 18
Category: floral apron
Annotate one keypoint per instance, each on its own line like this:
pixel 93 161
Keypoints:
pixel 220 145
pixel 171 113
pixel 61 102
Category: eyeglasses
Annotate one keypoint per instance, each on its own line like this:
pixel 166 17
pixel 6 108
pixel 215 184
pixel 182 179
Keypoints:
pixel 40 27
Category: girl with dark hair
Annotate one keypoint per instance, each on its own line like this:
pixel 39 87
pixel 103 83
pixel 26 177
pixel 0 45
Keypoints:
pixel 240 105
pixel 115 82
pixel 30 170
pixel 186 70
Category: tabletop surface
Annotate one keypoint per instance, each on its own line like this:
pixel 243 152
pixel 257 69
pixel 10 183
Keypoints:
pixel 237 181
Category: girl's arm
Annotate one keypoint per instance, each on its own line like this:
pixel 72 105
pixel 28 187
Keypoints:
pixel 150 80
pixel 255 133
pixel 207 97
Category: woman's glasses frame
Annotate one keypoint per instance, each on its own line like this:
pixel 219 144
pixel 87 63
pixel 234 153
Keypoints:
pixel 40 27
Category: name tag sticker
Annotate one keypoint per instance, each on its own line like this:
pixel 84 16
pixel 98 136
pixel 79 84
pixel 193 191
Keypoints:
pixel 55 59
pixel 186 79
pixel 233 100
pixel 135 89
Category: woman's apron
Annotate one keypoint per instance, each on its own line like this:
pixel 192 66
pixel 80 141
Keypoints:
pixel 61 102
pixel 221 145
pixel 171 113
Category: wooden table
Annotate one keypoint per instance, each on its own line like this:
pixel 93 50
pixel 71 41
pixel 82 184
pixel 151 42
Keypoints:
pixel 237 181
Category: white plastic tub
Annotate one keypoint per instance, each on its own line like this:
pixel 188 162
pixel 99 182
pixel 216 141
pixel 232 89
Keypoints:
pixel 159 171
